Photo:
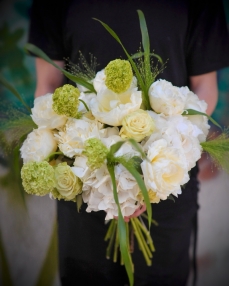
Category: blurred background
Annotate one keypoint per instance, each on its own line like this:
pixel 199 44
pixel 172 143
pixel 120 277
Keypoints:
pixel 28 240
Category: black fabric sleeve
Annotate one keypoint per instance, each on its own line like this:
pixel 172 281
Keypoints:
pixel 207 37
pixel 45 29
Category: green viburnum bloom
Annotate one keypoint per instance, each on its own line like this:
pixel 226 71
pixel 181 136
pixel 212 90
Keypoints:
pixel 38 178
pixel 119 75
pixel 96 153
pixel 68 185
pixel 66 101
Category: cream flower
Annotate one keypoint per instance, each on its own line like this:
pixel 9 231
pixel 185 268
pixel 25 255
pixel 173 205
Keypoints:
pixel 137 125
pixel 71 138
pixel 100 196
pixel 166 169
pixel 166 98
pixel 68 185
pixel 110 108
pixel 179 133
pixel 38 145
pixel 43 114
pixel 193 102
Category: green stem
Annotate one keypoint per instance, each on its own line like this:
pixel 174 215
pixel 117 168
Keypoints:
pixel 147 234
pixel 116 246
pixel 111 242
pixel 142 238
pixel 148 261
pixel 109 231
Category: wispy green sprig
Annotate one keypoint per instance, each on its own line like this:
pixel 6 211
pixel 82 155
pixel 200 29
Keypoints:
pixel 83 69
pixel 218 149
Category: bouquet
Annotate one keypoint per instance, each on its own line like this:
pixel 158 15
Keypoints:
pixel 117 141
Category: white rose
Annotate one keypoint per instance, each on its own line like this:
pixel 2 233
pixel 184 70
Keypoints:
pixel 110 108
pixel 137 125
pixel 38 145
pixel 43 114
pixel 166 98
pixel 166 169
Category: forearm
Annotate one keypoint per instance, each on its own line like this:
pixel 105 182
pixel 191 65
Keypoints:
pixel 48 77
pixel 205 86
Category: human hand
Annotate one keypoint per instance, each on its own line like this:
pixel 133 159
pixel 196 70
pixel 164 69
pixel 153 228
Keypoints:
pixel 137 213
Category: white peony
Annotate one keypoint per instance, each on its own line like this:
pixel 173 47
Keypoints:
pixel 179 133
pixel 38 145
pixel 166 98
pixel 166 169
pixel 100 196
pixel 43 114
pixel 110 108
pixel 76 131
pixel 86 97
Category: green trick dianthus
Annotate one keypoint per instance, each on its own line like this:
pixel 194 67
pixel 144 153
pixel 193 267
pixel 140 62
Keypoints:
pixel 119 75
pixel 96 153
pixel 38 178
pixel 66 101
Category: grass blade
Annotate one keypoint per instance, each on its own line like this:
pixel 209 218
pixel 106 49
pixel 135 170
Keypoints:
pixel 38 52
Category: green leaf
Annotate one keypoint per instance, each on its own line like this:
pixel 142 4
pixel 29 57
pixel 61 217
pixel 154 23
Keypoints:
pixel 145 98
pixel 11 88
pixel 115 147
pixel 140 183
pixel 122 230
pixel 195 112
pixel 137 147
pixel 136 162
pixel 144 32
pixel 38 52
pixel 170 197
pixel 79 202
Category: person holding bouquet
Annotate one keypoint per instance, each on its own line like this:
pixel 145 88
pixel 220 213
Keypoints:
pixel 192 38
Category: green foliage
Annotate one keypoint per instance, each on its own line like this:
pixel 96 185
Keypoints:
pixel 218 149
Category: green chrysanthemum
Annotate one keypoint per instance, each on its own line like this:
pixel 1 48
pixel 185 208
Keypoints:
pixel 38 178
pixel 68 185
pixel 96 153
pixel 66 101
pixel 119 75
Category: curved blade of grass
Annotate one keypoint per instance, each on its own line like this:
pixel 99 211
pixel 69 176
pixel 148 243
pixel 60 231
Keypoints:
pixel 145 98
pixel 11 88
pixel 144 32
pixel 140 54
pixel 38 52
pixel 140 183
pixel 122 229
pixel 195 112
